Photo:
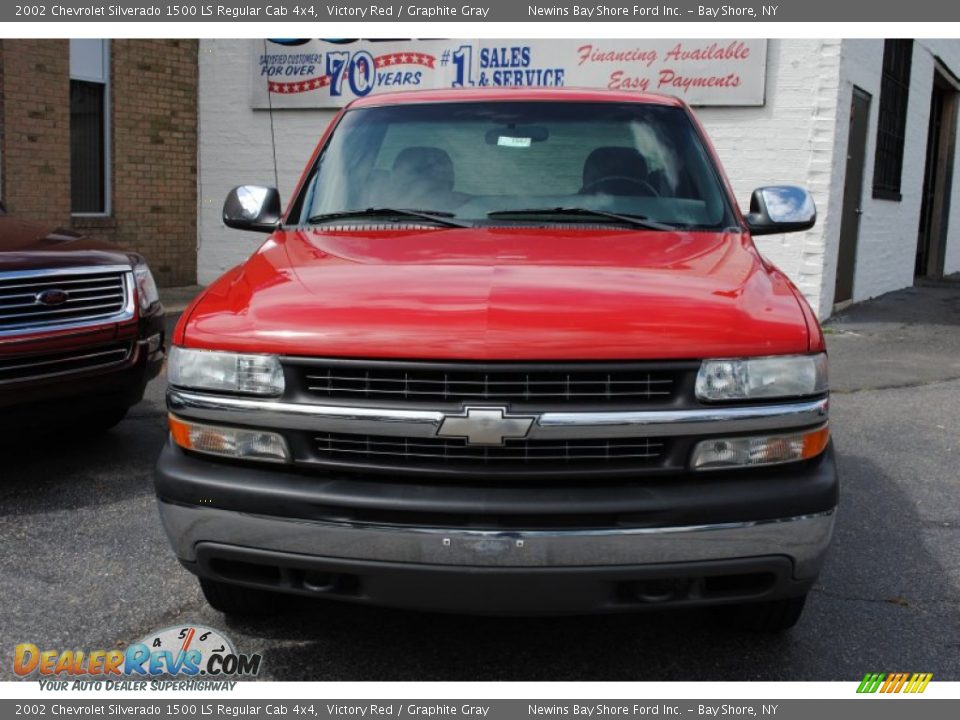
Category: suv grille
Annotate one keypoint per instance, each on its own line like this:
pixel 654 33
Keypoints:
pixel 514 455
pixel 26 367
pixel 84 296
pixel 577 384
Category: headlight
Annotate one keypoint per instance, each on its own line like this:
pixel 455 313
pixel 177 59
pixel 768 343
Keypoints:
pixel 762 378
pixel 225 371
pixel 229 442
pixel 724 453
pixel 146 286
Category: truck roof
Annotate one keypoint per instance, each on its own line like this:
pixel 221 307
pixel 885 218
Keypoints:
pixel 569 94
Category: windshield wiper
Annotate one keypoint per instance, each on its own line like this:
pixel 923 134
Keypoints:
pixel 634 220
pixel 435 216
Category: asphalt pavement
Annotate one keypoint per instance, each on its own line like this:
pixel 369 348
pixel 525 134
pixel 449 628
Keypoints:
pixel 84 562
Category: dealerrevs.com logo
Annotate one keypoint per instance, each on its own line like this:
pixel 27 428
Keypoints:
pixel 180 651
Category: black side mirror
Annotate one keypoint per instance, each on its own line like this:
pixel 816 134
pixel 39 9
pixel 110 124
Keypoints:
pixel 252 207
pixel 781 209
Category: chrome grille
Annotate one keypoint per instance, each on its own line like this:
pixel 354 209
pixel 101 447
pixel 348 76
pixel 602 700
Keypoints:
pixel 411 453
pixel 542 385
pixel 29 367
pixel 90 294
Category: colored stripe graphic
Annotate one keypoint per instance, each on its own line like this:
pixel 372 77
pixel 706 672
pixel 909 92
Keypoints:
pixel 918 683
pixel 894 682
pixel 871 682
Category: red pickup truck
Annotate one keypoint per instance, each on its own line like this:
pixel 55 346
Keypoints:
pixel 505 351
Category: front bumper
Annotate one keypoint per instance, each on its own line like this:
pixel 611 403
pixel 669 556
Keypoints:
pixel 43 399
pixel 706 540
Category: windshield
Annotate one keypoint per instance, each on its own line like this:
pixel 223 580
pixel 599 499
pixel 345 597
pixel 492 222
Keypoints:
pixel 519 161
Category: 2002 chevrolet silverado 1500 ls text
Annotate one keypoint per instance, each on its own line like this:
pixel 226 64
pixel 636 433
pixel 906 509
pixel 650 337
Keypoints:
pixel 505 351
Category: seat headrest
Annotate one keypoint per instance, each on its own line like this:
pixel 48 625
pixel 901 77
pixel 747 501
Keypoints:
pixel 427 165
pixel 605 162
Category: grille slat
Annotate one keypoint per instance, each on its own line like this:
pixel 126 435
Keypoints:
pixel 552 386
pixel 493 395
pixel 38 310
pixel 46 282
pixel 28 367
pixel 409 453
pixel 521 383
pixel 117 295
pixel 407 443
pixel 88 296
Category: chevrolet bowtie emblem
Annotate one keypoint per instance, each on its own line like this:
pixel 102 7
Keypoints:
pixel 485 426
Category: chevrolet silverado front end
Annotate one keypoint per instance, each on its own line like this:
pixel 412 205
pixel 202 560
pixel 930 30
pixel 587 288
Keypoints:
pixel 505 352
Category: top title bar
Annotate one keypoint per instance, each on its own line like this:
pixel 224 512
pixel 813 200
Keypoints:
pixel 480 11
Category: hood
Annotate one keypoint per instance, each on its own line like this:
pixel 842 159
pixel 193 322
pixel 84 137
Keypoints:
pixel 26 245
pixel 501 294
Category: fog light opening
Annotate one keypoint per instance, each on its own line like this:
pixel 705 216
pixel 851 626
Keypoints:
pixel 662 589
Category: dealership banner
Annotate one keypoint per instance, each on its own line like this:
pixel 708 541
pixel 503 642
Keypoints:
pixel 330 73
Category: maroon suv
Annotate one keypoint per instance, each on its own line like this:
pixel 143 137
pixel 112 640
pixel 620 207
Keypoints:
pixel 81 327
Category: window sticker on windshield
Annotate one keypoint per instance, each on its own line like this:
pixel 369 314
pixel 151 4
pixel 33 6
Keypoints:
pixel 507 141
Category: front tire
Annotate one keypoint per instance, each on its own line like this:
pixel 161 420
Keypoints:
pixel 238 600
pixel 770 616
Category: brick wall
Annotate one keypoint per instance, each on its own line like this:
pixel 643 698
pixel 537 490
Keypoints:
pixel 155 153
pixel 788 141
pixel 36 129
pixel 153 146
pixel 240 151
pixel 887 241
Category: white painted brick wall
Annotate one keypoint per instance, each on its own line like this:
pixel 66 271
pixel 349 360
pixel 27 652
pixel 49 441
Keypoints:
pixel 235 149
pixel 788 141
pixel 798 137
pixel 887 242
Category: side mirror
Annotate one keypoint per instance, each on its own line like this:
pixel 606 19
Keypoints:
pixel 780 209
pixel 252 207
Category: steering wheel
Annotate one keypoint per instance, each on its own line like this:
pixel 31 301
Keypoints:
pixel 593 184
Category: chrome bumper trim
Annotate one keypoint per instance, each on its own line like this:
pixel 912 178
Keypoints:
pixel 276 414
pixel 803 538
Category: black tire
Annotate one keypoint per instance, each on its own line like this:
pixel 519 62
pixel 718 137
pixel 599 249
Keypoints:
pixel 238 600
pixel 772 616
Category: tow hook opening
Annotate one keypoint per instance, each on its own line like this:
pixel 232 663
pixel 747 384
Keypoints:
pixel 664 590
pixel 286 578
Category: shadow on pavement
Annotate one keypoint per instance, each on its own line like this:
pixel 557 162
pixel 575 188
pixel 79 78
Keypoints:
pixel 925 305
pixel 908 337
pixel 62 469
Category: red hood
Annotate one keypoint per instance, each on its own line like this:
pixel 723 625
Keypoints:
pixel 501 293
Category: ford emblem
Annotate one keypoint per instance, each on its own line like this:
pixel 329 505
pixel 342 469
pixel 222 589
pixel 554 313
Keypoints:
pixel 51 298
